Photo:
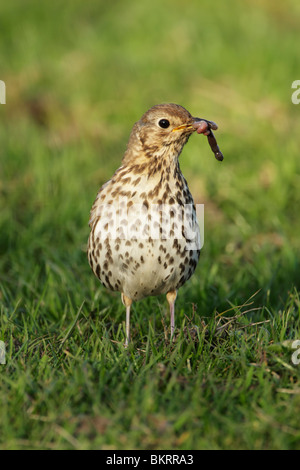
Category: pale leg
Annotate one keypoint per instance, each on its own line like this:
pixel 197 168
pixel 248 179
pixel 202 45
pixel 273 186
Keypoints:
pixel 171 297
pixel 127 302
pixel 127 325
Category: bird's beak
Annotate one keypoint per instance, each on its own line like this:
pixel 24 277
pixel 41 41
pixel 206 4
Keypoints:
pixel 184 126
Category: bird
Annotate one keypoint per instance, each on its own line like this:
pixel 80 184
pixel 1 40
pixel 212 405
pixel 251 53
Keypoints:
pixel 144 236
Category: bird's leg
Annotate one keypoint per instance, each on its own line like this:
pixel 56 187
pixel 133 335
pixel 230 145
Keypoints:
pixel 127 302
pixel 171 297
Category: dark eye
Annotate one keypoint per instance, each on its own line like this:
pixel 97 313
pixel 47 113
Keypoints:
pixel 164 123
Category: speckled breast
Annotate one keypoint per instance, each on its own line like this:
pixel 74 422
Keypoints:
pixel 144 249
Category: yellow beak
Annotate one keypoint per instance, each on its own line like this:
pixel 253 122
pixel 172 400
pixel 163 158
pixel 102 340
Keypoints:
pixel 184 126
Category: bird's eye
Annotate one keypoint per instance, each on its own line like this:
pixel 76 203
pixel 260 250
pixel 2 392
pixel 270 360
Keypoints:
pixel 164 123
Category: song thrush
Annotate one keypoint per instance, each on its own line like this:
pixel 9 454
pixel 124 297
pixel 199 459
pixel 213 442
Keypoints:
pixel 144 237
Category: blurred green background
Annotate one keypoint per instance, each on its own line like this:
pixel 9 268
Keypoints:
pixel 78 75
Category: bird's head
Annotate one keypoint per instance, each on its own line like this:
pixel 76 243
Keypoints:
pixel 162 132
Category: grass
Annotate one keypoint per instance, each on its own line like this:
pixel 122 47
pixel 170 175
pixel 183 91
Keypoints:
pixel 77 76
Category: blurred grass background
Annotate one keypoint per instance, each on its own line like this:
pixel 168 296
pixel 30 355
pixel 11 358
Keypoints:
pixel 78 75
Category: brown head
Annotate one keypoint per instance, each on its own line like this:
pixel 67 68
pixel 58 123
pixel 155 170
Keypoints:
pixel 162 132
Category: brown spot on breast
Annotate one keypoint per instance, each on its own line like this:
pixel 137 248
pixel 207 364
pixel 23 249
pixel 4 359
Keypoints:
pixel 135 182
pixel 108 283
pixel 126 180
pixel 164 196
